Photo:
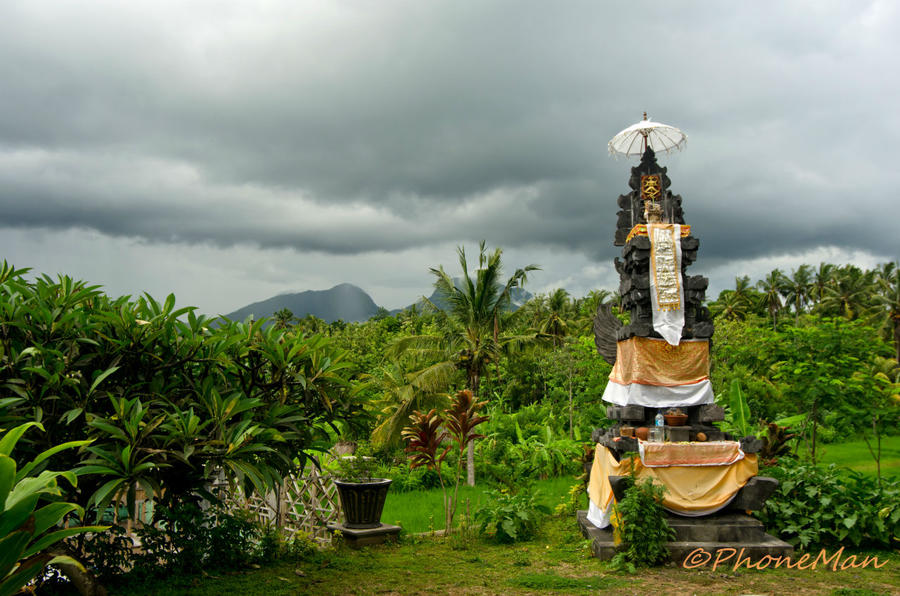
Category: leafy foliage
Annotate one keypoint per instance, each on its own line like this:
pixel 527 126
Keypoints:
pixel 428 432
pixel 510 517
pixel 643 528
pixel 821 506
pixel 186 540
pixel 27 530
pixel 166 396
pixel 359 467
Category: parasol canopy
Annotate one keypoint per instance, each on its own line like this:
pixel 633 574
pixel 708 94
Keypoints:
pixel 632 141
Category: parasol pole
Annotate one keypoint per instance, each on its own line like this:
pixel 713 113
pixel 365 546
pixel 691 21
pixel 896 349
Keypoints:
pixel 644 135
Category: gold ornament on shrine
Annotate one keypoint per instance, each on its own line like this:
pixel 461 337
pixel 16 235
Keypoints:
pixel 651 187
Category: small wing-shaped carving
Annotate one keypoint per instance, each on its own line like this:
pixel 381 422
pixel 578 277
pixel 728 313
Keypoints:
pixel 606 324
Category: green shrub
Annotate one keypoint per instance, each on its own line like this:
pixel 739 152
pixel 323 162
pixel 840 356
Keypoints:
pixel 107 555
pixel 186 540
pixel 510 517
pixel 31 512
pixel 301 547
pixel 406 479
pixel 820 506
pixel 643 528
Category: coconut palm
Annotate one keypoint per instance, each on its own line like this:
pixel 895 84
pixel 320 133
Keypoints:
pixel 822 278
pixel 729 306
pixel 798 288
pixel 772 287
pixel 555 321
pixel 734 304
pixel 472 335
pixel 888 298
pixel 850 293
pixel 284 318
pixel 402 393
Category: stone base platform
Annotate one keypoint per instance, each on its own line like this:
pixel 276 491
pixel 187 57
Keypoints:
pixel 357 538
pixel 734 531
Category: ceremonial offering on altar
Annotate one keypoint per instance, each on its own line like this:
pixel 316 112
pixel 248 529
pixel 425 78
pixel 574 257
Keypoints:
pixel 660 381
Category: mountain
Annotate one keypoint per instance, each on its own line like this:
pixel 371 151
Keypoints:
pixel 343 301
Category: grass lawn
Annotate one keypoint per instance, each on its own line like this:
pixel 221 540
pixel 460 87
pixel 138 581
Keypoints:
pixel 422 511
pixel 855 455
pixel 559 562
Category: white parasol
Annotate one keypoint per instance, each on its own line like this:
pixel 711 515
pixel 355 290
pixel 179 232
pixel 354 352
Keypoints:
pixel 632 141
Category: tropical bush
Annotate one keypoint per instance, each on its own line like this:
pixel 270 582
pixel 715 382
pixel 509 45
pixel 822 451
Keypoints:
pixel 29 531
pixel 168 398
pixel 821 506
pixel 642 525
pixel 510 517
pixel 187 540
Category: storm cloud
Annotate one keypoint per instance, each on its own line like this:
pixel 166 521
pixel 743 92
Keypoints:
pixel 312 133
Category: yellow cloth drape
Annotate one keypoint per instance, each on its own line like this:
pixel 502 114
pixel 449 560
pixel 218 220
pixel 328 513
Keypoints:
pixel 688 488
pixel 656 362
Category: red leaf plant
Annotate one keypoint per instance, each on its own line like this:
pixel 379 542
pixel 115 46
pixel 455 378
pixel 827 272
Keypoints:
pixel 431 436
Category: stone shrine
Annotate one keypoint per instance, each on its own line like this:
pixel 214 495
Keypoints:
pixel 661 366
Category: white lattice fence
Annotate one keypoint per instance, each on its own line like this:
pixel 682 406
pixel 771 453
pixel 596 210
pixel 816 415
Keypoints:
pixel 305 503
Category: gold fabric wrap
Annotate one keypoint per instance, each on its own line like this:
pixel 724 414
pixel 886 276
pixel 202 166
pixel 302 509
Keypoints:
pixel 656 362
pixel 687 488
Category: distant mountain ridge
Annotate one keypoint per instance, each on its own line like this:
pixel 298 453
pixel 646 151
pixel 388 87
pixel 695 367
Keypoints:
pixel 345 301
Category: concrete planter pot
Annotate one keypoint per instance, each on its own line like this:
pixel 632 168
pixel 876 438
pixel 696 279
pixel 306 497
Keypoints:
pixel 363 502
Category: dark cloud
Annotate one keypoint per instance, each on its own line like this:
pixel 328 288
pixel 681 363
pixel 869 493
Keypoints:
pixel 352 128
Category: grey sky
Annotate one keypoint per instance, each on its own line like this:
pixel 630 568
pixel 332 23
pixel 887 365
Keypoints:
pixel 230 151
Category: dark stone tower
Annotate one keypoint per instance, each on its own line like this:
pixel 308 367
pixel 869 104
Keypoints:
pixel 649 183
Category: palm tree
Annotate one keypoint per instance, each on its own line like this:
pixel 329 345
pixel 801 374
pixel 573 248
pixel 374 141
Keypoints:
pixel 850 293
pixel 729 306
pixel 588 304
pixel 798 289
pixel 771 287
pixel 734 304
pixel 823 277
pixel 402 393
pixel 283 318
pixel 742 289
pixel 888 298
pixel 556 320
pixel 471 337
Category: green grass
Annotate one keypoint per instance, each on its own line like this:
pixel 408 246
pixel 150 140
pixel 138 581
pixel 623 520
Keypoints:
pixel 855 455
pixel 422 511
pixel 558 561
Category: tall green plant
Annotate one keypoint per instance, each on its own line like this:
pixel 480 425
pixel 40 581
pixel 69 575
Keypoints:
pixel 642 525
pixel 472 336
pixel 28 531
pixel 739 410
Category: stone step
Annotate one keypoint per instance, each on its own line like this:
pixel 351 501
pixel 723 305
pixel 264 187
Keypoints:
pixel 737 532
pixel 723 527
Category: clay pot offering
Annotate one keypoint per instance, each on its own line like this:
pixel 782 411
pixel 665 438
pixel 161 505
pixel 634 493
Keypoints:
pixel 642 433
pixel 627 431
pixel 675 419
